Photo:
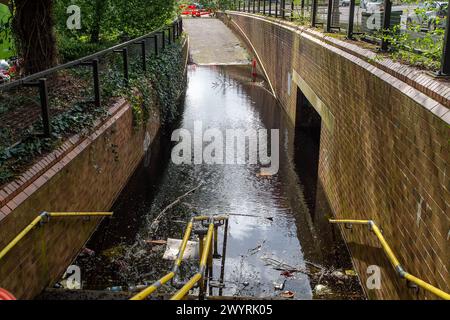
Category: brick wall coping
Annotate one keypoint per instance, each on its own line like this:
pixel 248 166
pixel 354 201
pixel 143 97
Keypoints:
pixel 15 192
pixel 436 88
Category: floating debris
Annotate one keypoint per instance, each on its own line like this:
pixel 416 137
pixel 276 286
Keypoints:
pixel 279 286
pixel 156 242
pixel 173 248
pixel 321 290
pixel 287 294
pixel 351 273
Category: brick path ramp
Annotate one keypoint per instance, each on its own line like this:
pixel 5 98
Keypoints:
pixel 213 43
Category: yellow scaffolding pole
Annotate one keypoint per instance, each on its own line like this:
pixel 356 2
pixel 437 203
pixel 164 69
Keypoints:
pixel 155 286
pixel 393 259
pixel 204 260
pixel 149 290
pixel 42 218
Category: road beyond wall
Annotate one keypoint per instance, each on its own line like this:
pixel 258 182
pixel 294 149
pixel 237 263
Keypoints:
pixel 212 43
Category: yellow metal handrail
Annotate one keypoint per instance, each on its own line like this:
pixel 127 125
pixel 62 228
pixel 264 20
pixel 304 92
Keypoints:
pixel 43 218
pixel 206 251
pixel 393 259
pixel 204 260
pixel 155 286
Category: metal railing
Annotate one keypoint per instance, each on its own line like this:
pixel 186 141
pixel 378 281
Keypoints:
pixel 207 248
pixel 44 218
pixel 327 13
pixel 158 39
pixel 392 258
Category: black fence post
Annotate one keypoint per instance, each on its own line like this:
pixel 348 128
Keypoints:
pixel 351 19
pixel 264 7
pixel 386 23
pixel 163 38
pixel 43 97
pixel 249 7
pixel 174 28
pixel 254 6
pixel 270 8
pixel 259 6
pixel 292 10
pixel 283 9
pixel 302 7
pixel 143 55
pixel 169 35
pixel 126 73
pixel 155 37
pixel 239 5
pixel 329 12
pixel 43 93
pixel 276 8
pixel 313 13
pixel 95 73
pixel 445 60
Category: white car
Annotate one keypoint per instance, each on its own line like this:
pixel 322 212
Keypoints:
pixel 430 16
pixel 374 5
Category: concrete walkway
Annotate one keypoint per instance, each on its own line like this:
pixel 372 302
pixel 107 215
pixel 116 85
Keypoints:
pixel 212 43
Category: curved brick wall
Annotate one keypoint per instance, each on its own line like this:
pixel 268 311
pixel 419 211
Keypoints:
pixel 384 146
pixel 86 173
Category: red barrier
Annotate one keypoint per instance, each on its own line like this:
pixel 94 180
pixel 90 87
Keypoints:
pixel 5 295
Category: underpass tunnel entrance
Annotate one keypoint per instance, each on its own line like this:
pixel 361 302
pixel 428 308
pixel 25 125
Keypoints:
pixel 308 125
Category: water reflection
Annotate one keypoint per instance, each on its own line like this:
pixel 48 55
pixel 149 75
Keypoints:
pixel 269 217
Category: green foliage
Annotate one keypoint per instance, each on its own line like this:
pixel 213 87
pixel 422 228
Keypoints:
pixel 6 46
pixel 416 46
pixel 71 48
pixel 107 22
pixel 160 87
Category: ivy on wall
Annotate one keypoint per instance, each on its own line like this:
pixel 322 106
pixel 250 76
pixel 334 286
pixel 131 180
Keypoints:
pixel 158 90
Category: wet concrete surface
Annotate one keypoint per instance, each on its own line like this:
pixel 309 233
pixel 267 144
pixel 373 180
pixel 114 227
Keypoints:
pixel 276 236
pixel 213 43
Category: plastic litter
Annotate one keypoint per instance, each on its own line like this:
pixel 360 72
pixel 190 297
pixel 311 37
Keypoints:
pixel 287 294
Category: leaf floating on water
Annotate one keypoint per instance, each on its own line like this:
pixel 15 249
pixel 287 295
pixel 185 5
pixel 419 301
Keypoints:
pixel 287 294
pixel 156 242
pixel 351 273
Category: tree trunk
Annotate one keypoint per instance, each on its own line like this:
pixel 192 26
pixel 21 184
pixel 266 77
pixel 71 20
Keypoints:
pixel 99 9
pixel 33 29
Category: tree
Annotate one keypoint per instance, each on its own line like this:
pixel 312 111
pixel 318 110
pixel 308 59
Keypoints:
pixel 33 28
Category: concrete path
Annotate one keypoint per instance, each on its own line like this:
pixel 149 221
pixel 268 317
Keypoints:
pixel 213 43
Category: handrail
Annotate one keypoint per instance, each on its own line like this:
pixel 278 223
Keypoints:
pixel 393 259
pixel 44 73
pixel 156 285
pixel 204 260
pixel 44 218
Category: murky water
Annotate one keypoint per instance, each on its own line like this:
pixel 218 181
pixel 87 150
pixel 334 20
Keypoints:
pixel 270 220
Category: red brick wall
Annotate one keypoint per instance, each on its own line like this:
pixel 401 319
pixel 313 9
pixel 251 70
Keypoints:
pixel 85 174
pixel 386 158
pixel 86 178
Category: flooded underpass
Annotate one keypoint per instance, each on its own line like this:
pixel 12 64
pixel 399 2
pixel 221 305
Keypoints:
pixel 278 242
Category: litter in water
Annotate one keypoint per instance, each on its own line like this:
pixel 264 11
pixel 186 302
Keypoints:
pixel 173 246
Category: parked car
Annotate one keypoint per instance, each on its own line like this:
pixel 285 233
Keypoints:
pixel 344 3
pixel 374 5
pixel 429 15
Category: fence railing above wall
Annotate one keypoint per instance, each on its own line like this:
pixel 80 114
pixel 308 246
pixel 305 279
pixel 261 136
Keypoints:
pixel 158 39
pixel 329 13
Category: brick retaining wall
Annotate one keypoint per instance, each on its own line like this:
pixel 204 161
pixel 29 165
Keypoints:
pixel 384 146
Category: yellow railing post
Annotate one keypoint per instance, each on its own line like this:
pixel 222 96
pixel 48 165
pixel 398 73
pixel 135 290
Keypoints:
pixel 203 263
pixel 393 259
pixel 44 218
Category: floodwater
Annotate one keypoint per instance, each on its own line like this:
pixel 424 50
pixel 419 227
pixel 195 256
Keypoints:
pixel 273 227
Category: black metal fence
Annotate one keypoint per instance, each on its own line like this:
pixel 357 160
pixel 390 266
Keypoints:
pixel 31 105
pixel 370 21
